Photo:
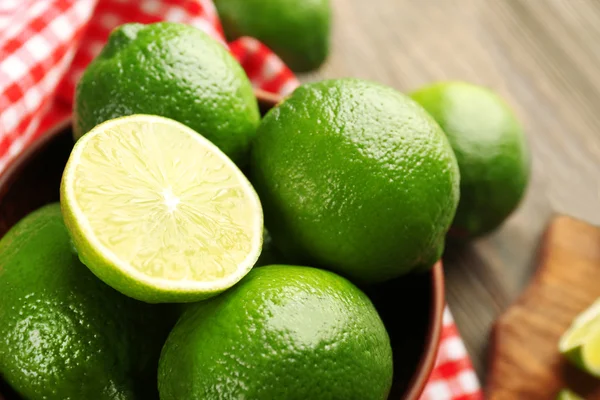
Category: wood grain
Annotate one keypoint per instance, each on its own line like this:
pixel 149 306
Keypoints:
pixel 525 362
pixel 543 56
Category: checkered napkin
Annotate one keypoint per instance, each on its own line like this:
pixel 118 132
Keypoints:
pixel 46 44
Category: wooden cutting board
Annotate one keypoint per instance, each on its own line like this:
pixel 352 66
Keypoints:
pixel 524 359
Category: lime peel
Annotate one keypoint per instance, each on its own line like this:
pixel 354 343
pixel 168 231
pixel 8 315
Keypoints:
pixel 580 344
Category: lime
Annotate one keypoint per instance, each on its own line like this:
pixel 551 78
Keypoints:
pixel 173 70
pixel 63 333
pixel 158 212
pixel 283 332
pixel 589 314
pixel 567 395
pixel 355 177
pixel 297 30
pixel 580 344
pixel 491 150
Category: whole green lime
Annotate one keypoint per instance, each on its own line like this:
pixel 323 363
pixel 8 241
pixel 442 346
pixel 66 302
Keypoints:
pixel 63 333
pixel 355 177
pixel 491 150
pixel 175 71
pixel 283 332
pixel 297 30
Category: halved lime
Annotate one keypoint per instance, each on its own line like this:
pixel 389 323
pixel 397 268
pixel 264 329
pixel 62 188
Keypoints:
pixel 567 395
pixel 589 314
pixel 158 212
pixel 580 344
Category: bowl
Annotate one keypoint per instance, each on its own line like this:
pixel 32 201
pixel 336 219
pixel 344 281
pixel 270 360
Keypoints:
pixel 411 307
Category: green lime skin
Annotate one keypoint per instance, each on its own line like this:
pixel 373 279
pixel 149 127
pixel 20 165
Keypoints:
pixel 283 332
pixel 63 333
pixel 175 71
pixel 566 394
pixel 297 30
pixel 357 178
pixel 491 149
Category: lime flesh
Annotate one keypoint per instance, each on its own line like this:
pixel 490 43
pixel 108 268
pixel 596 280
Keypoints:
pixel 591 352
pixel 580 344
pixel 158 212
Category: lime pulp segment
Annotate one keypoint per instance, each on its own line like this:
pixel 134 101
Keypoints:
pixel 162 205
pixel 581 342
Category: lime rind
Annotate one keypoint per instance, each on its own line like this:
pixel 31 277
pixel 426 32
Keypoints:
pixel 590 313
pixel 580 326
pixel 113 264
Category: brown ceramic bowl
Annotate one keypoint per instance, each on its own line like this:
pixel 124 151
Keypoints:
pixel 411 307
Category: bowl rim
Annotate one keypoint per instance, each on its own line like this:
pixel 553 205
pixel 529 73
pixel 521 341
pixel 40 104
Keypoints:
pixel 19 162
pixel 424 369
pixel 266 101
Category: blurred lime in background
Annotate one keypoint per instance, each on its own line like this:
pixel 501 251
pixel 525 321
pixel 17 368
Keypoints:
pixel 297 30
pixel 491 149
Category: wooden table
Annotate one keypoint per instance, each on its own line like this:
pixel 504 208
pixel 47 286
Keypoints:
pixel 544 57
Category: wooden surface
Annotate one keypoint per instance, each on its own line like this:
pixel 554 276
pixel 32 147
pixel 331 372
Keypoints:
pixel 544 57
pixel 524 358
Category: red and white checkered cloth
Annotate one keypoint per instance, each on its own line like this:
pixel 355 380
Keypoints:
pixel 46 44
pixel 453 377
